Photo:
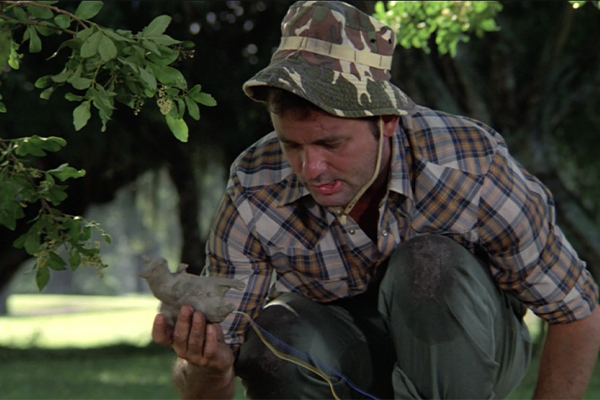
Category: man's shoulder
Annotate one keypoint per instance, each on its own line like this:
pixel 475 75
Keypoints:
pixel 261 164
pixel 451 140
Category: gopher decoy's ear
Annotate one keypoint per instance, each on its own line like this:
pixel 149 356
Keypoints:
pixel 181 268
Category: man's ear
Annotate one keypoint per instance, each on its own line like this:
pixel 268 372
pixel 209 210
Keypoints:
pixel 390 123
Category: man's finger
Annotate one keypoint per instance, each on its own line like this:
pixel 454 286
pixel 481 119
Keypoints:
pixel 162 332
pixel 211 343
pixel 182 329
pixel 197 336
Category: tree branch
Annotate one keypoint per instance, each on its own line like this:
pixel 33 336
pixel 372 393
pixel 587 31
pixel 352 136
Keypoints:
pixel 54 9
pixel 36 23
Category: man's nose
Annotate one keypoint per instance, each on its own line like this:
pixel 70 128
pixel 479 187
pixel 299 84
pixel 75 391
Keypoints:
pixel 313 163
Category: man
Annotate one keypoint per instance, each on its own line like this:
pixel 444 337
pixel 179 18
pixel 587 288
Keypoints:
pixel 405 242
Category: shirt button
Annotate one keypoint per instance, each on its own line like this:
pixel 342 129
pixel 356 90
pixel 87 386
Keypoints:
pixel 352 231
pixel 384 233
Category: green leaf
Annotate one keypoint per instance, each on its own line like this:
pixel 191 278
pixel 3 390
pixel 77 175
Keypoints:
pixel 107 49
pixel 194 91
pixel 81 115
pixel 52 143
pixel 84 34
pixel 192 107
pixel 47 93
pixel 178 127
pixel 35 44
pixel 2 107
pixel 65 172
pixel 104 102
pixel 169 76
pixel 32 241
pixel 167 56
pixel 115 36
pixel 21 15
pixel 81 83
pixel 55 262
pixel 86 234
pixel 58 140
pixel 63 21
pixel 75 227
pixel 89 48
pixel 43 82
pixel 8 221
pixel 88 9
pixel 29 146
pixel 42 277
pixel 150 45
pixel 63 76
pixel 107 238
pixel 157 26
pixel 180 108
pixel 75 260
pixel 148 78
pixel 20 242
pixel 165 40
pixel 40 12
pixel 204 99
pixel 44 31
pixel 73 97
pixel 56 194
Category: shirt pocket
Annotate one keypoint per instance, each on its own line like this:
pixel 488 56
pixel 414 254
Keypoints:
pixel 446 200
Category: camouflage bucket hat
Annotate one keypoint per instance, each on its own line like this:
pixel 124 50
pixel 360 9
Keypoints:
pixel 336 57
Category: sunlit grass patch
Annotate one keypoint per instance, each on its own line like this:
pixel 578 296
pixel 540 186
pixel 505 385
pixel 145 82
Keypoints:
pixel 55 321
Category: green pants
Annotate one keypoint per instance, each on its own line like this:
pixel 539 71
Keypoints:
pixel 436 327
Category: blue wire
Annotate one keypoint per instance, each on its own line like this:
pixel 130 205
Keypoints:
pixel 308 357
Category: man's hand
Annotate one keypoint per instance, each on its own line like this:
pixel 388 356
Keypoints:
pixel 205 366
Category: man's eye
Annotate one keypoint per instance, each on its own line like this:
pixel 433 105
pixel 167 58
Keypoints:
pixel 291 146
pixel 332 145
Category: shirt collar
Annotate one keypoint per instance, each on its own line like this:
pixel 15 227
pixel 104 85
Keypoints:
pixel 294 190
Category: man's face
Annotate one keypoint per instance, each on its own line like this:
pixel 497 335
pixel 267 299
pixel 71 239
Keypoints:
pixel 333 157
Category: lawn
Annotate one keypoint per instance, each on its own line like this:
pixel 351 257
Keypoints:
pixel 91 347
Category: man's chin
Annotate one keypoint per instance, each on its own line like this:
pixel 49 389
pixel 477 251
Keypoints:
pixel 329 201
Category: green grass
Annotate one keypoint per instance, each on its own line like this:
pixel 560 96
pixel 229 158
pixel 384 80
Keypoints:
pixel 116 372
pixel 55 321
pixel 93 347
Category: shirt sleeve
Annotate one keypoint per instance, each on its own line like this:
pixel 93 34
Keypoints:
pixel 232 251
pixel 530 256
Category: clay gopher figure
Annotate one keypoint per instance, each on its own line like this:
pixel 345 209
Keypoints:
pixel 176 289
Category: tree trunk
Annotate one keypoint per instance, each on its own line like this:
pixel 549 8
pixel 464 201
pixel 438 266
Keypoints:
pixel 4 293
pixel 181 171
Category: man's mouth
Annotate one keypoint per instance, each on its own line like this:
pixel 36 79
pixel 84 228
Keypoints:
pixel 328 188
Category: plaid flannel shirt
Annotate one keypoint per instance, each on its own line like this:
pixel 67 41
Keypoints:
pixel 450 175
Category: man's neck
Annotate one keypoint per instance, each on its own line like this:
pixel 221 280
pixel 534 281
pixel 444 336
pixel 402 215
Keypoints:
pixel 366 210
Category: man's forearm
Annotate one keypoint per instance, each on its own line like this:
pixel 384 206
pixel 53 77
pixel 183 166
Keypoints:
pixel 568 358
pixel 191 383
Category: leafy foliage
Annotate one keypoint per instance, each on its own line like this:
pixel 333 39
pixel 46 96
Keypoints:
pixel 105 66
pixel 452 21
pixel 51 231
pixel 577 4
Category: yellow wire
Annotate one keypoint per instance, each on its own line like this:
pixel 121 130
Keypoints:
pixel 287 357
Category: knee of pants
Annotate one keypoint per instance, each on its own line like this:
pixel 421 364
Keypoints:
pixel 430 275
pixel 265 375
pixel 255 357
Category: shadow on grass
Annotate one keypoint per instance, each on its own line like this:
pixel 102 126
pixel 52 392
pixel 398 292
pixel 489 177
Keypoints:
pixel 114 372
pixel 126 372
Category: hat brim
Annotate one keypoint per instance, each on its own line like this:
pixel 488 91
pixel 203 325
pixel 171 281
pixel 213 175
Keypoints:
pixel 338 93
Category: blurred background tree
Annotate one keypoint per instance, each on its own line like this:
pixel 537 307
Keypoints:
pixel 533 76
